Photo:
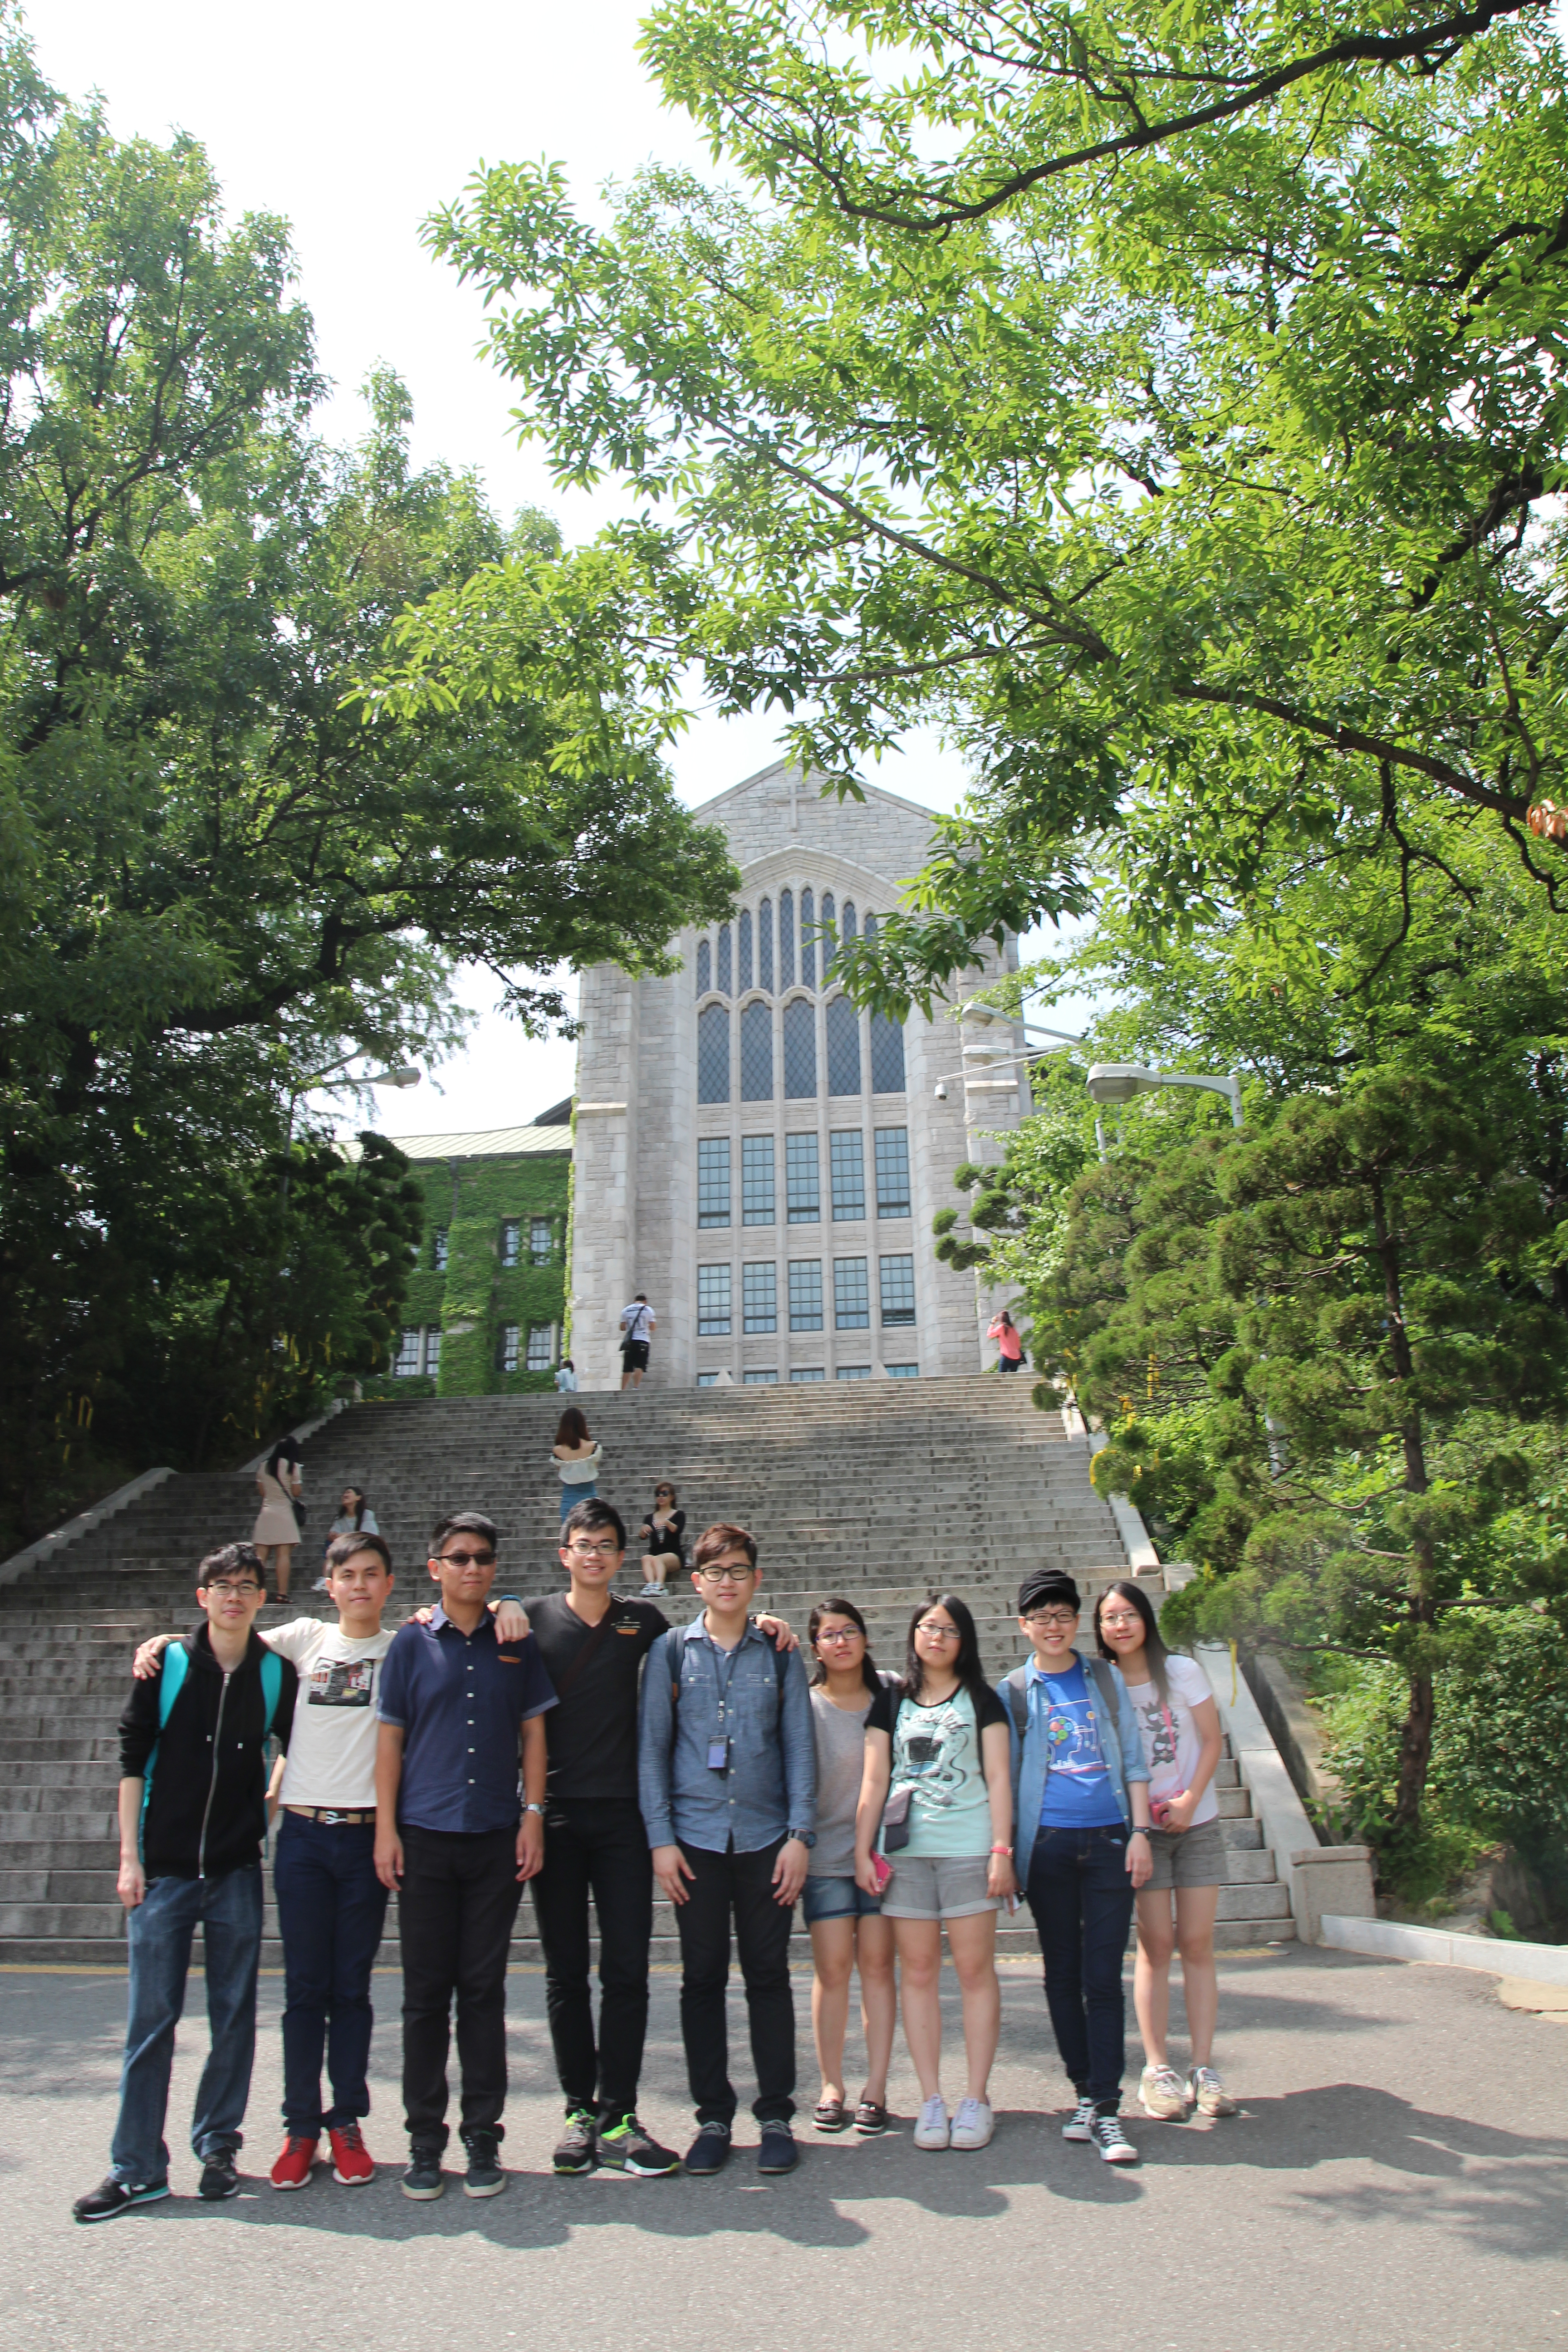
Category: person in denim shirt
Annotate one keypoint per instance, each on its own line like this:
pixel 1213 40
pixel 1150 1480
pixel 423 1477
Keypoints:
pixel 727 1783
pixel 1081 1846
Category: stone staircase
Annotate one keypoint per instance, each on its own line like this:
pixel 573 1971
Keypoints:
pixel 884 1491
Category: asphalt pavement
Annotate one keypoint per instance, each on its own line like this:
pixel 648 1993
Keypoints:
pixel 1398 2182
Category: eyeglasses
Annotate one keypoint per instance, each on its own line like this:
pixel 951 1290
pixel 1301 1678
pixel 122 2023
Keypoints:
pixel 718 1575
pixel 664 1494
pixel 1052 1618
pixel 610 1550
pixel 1120 1617
pixel 841 1633
pixel 468 1558
pixel 939 1633
pixel 244 1589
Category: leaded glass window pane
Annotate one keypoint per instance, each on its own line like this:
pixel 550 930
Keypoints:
pixel 443 1248
pixel 725 974
pixel 714 1181
pixel 828 918
pixel 807 940
pixel 843 1047
pixel 510 1347
pixel 744 949
pixel 432 1348
pixel 851 1294
pixel 541 1347
pixel 847 1164
pixel 713 1054
pixel 757 1052
pixel 897 1290
pixel 887 1050
pixel 756 1180
pixel 406 1363
pixel 712 1302
pixel 805 1294
pixel 510 1241
pixel 892 1150
pixel 760 1297
pixel 786 938
pixel 541 1241
pixel 765 944
pixel 799 1050
pixel 847 928
pixel 704 966
pixel 801 1191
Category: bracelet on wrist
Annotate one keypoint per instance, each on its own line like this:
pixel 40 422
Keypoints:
pixel 1002 1849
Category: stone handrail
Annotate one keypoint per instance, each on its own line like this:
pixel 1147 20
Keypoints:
pixel 58 1540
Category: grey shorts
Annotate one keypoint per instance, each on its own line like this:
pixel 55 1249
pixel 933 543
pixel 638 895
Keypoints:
pixel 1193 1857
pixel 938 1886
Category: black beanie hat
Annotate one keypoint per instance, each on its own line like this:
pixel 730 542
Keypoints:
pixel 1047 1584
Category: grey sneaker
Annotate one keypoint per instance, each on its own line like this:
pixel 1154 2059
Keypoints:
pixel 422 2175
pixel 1112 2142
pixel 1078 2124
pixel 1162 2094
pixel 484 2176
pixel 1209 2094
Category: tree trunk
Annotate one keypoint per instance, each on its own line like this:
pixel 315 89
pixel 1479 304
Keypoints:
pixel 1421 1582
pixel 1414 1754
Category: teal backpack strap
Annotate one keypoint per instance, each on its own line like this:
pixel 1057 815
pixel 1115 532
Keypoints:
pixel 171 1675
pixel 271 1687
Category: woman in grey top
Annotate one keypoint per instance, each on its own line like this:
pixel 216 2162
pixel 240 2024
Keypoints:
pixel 846 1928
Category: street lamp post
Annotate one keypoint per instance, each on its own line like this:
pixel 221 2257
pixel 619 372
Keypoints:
pixel 1118 1082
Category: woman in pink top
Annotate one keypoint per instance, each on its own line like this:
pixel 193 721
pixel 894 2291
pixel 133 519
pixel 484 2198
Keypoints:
pixel 1010 1347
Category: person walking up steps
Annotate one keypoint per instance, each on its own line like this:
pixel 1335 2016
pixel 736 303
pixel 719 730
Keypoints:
pixel 1081 1840
pixel 1180 1727
pixel 277 1530
pixel 193 1816
pixel 332 1907
pixel 936 1783
pixel 638 1324
pixel 727 1775
pixel 1009 1343
pixel 847 1930
pixel 450 1842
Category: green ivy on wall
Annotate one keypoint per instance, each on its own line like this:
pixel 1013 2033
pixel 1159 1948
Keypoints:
pixel 475 1296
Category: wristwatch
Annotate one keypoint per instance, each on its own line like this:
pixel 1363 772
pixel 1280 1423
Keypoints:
pixel 806 1837
pixel 534 1809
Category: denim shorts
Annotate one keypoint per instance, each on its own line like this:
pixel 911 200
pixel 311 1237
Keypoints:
pixel 838 1898
pixel 938 1886
pixel 1193 1857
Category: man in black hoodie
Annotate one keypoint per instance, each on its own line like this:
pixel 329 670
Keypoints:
pixel 193 1816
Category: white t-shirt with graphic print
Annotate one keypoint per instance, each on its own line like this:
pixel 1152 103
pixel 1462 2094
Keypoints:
pixel 1172 1748
pixel 331 1749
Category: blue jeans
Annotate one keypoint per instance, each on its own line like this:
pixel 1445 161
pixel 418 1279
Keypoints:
pixel 1081 1897
pixel 159 1932
pixel 331 1908
pixel 572 1496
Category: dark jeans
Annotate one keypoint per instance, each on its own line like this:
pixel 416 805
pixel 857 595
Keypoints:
pixel 599 1850
pixel 455 1913
pixel 330 1910
pixel 1081 1897
pixel 742 1885
pixel 159 1932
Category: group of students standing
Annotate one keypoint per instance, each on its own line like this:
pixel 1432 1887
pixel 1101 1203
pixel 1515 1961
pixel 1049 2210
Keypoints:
pixel 583 1746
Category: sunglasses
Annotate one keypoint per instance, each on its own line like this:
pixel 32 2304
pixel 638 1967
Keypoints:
pixel 468 1558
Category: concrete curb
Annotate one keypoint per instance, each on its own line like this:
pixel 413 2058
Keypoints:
pixel 1392 1939
pixel 298 1433
pixel 58 1538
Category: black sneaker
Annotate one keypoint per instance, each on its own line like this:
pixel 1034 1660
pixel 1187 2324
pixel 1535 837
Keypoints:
pixel 111 2197
pixel 576 2150
pixel 423 2176
pixel 484 2176
pixel 778 2152
pixel 219 2179
pixel 710 2151
pixel 626 2147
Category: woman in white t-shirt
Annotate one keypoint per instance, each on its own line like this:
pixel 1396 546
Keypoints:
pixel 1181 1743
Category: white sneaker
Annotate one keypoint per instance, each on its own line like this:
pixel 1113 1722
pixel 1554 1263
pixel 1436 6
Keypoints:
pixel 1112 2142
pixel 1077 2126
pixel 933 2130
pixel 1210 2094
pixel 651 1591
pixel 1162 2094
pixel 972 2125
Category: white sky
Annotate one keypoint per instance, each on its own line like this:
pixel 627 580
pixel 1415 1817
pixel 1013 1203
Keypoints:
pixel 354 122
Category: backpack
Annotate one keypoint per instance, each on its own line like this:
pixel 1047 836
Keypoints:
pixel 172 1682
pixel 1016 1687
pixel 675 1643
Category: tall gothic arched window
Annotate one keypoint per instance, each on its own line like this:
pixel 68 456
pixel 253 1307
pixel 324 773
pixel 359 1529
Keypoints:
pixel 704 966
pixel 713 1053
pixel 847 928
pixel 757 1052
pixel 765 945
pixel 786 938
pixel 726 977
pixel 799 1050
pixel 887 1052
pixel 745 950
pixel 827 917
pixel 843 1047
pixel 807 940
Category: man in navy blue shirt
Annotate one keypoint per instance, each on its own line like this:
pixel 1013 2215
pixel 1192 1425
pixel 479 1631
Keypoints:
pixel 457 1707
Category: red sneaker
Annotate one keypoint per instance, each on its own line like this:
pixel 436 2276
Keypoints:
pixel 350 2157
pixel 292 2169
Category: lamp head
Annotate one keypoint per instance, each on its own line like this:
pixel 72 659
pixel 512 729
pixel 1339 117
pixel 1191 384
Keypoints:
pixel 1118 1082
pixel 941 1090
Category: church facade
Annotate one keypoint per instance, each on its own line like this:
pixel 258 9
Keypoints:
pixel 758 1157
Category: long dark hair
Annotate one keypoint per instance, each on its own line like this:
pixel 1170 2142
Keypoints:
pixel 837 1608
pixel 574 1429
pixel 362 1505
pixel 967 1667
pixel 1154 1649
pixel 284 1451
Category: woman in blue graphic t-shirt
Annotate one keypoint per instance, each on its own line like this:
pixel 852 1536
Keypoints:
pixel 1081 1846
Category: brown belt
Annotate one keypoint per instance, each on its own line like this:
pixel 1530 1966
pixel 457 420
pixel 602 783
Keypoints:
pixel 333 1818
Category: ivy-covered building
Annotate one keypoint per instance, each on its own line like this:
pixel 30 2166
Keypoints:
pixel 485 1311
